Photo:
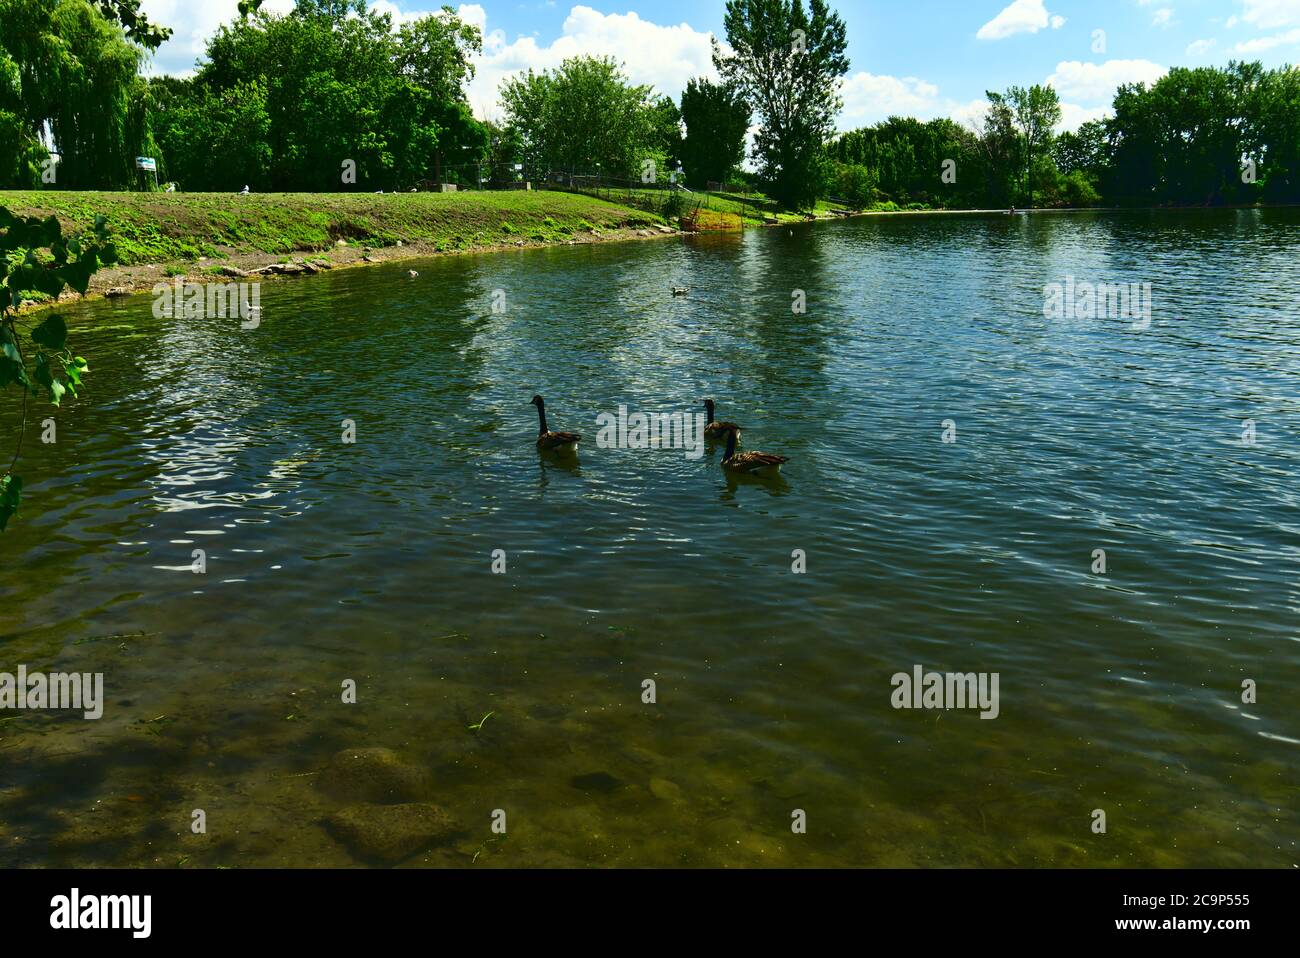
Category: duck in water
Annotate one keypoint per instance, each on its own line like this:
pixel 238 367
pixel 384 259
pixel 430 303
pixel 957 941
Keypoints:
pixel 760 464
pixel 547 441
pixel 714 429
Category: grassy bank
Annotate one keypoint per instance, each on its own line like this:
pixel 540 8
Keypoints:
pixel 180 227
pixel 743 210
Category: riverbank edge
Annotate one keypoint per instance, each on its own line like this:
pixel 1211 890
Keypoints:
pixel 122 281
pixel 113 282
pixel 118 281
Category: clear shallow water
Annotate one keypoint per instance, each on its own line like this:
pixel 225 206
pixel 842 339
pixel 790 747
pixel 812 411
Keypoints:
pixel 372 561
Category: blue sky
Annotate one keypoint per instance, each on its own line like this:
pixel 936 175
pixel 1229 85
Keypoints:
pixel 918 57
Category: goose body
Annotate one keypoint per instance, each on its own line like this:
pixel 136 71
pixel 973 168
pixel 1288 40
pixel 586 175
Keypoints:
pixel 714 429
pixel 680 290
pixel 548 441
pixel 761 464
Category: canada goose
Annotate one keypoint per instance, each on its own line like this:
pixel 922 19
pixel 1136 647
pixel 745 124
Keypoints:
pixel 714 429
pixel 750 463
pixel 681 290
pixel 548 441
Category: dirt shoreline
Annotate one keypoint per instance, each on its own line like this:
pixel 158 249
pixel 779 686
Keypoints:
pixel 120 281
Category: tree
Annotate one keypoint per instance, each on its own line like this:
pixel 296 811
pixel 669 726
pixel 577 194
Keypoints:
pixel 505 149
pixel 999 148
pixel 1207 136
pixel 936 163
pixel 787 62
pixel 435 53
pixel 856 184
pixel 1034 112
pixel 584 116
pixel 68 73
pixel 1086 149
pixel 286 101
pixel 665 121
pixel 1277 113
pixel 717 119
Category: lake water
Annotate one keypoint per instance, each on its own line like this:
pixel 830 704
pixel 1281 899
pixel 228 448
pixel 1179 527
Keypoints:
pixel 372 561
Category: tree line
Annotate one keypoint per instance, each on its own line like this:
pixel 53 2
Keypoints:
pixel 1196 137
pixel 332 96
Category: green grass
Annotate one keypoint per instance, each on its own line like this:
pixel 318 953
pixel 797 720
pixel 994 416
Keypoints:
pixel 754 209
pixel 170 227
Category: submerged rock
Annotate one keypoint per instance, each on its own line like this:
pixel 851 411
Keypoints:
pixel 664 790
pixel 387 834
pixel 596 782
pixel 374 775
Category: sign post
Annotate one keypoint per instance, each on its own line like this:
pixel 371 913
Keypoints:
pixel 148 164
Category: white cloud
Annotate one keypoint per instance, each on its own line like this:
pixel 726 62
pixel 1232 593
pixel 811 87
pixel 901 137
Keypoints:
pixel 869 98
pixel 970 115
pixel 1093 83
pixel 1261 44
pixel 663 56
pixel 385 6
pixel 1021 16
pixel 1074 116
pixel 192 24
pixel 473 14
pixel 1271 14
pixel 1199 48
pixel 1163 18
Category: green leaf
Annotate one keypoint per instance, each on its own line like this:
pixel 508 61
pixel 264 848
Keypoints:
pixel 45 377
pixel 52 334
pixel 11 494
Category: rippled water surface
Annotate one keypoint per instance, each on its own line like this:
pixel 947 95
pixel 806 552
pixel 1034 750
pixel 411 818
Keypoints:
pixel 372 561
